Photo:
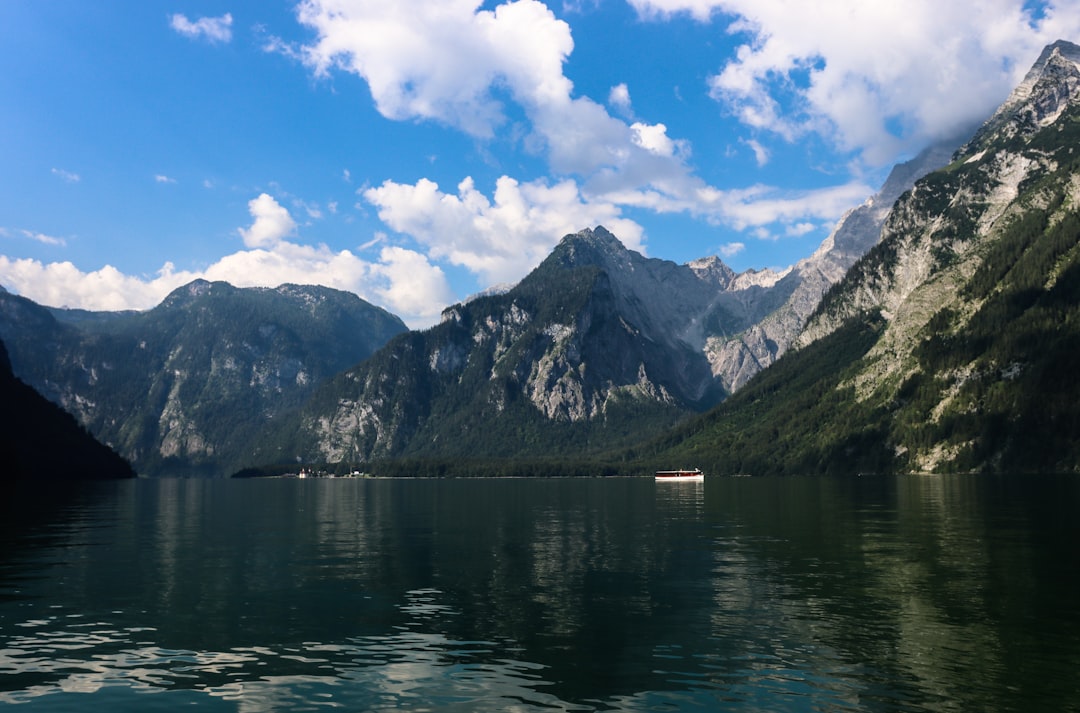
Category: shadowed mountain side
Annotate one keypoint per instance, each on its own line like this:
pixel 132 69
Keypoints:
pixel 39 441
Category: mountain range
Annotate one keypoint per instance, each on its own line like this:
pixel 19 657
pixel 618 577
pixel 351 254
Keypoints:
pixel 182 388
pixel 596 349
pixel 933 330
pixel 216 377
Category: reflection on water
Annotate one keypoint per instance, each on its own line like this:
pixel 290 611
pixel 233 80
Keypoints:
pixel 742 594
pixel 404 670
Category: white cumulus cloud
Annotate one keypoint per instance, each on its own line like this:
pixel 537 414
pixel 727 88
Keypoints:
pixel 759 206
pixel 619 98
pixel 730 250
pixel 451 62
pixel 454 62
pixel 212 29
pixel 403 281
pixel 272 223
pixel 501 238
pixel 653 138
pixel 408 281
pixel 878 79
pixel 61 284
pixel 438 59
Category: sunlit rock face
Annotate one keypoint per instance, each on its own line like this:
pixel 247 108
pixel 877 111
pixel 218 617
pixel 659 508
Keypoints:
pixel 967 258
pixel 946 218
pixel 595 332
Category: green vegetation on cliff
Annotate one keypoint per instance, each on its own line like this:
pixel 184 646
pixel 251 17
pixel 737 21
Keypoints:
pixel 975 368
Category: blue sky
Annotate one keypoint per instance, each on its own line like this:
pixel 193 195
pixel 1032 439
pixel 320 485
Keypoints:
pixel 416 152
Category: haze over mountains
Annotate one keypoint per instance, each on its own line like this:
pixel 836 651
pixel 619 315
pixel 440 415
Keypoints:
pixel 944 341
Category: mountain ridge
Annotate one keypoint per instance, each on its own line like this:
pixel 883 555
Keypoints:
pixel 180 388
pixel 601 347
pixel 952 345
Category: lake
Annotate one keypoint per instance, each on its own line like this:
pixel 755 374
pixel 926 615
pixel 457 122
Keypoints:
pixel 742 594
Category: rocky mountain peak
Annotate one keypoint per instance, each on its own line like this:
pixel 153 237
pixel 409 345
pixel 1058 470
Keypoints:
pixel 186 294
pixel 1054 59
pixel 713 269
pixel 1051 85
pixel 589 247
pixel 599 237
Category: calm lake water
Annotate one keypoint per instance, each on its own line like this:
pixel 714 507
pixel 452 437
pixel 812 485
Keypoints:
pixel 793 594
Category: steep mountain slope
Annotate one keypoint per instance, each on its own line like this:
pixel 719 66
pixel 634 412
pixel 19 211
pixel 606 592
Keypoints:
pixel 575 356
pixel 39 441
pixel 599 346
pixel 953 344
pixel 182 388
pixel 736 358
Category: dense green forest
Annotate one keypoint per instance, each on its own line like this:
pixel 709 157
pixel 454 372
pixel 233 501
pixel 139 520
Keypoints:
pixel 793 418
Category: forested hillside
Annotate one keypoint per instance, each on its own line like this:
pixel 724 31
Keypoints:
pixel 954 344
pixel 183 388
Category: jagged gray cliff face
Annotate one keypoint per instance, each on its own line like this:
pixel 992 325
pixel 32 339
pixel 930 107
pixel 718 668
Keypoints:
pixel 976 248
pixel 981 186
pixel 683 308
pixel 735 358
pixel 953 345
pixel 590 348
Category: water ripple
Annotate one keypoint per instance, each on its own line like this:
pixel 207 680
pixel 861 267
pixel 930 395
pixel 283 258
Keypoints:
pixel 897 596
pixel 408 669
